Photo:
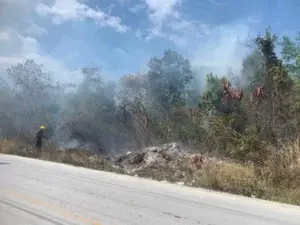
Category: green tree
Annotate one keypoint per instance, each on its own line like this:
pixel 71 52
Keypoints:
pixel 291 54
pixel 166 81
pixel 252 70
pixel 35 96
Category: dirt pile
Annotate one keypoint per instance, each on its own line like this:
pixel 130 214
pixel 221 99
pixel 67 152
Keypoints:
pixel 167 156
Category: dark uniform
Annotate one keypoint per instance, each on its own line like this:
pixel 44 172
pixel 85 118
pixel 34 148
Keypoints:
pixel 39 138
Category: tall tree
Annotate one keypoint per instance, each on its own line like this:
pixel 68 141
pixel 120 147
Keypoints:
pixel 291 54
pixel 35 95
pixel 167 79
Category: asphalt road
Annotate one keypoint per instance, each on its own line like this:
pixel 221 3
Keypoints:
pixel 39 192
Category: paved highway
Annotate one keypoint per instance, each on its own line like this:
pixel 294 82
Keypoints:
pixel 44 193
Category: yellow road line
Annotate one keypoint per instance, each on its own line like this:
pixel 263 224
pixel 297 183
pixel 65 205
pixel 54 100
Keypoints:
pixel 67 214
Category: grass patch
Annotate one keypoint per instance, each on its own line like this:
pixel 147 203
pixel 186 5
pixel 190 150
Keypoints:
pixel 75 157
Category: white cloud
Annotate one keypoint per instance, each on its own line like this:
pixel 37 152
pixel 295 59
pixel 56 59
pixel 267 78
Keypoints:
pixel 14 45
pixel 214 47
pixel 19 40
pixel 59 70
pixel 17 48
pixel 166 18
pixel 72 10
pixel 161 9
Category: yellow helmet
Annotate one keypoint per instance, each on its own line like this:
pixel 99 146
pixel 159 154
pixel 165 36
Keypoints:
pixel 42 127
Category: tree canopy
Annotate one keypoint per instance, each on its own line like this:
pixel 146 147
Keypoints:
pixel 166 103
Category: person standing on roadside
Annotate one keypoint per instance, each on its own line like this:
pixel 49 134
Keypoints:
pixel 39 138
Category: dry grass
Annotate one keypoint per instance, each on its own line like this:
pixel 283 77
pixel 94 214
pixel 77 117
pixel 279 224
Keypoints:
pixel 278 179
pixel 74 157
pixel 222 176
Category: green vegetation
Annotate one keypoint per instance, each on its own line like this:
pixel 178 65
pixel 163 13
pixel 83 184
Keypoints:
pixel 259 132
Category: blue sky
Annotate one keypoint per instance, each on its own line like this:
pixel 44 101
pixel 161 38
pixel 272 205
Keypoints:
pixel 121 35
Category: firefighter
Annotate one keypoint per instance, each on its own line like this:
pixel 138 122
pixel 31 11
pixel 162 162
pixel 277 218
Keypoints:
pixel 39 138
